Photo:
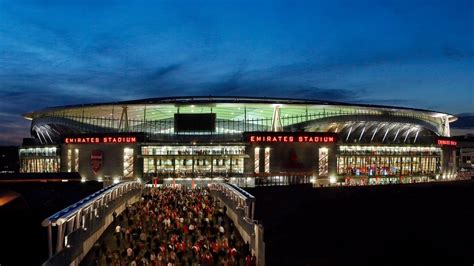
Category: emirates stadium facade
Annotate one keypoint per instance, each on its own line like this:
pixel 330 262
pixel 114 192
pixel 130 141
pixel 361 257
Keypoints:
pixel 249 141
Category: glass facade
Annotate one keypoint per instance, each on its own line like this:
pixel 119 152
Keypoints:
pixel 388 161
pixel 39 160
pixel 193 160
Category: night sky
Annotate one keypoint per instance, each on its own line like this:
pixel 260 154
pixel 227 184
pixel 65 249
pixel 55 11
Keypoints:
pixel 401 52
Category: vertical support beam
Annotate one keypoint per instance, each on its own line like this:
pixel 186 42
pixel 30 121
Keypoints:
pixel 245 117
pixel 407 134
pixel 375 132
pixel 396 135
pixel 386 132
pixel 362 133
pixel 123 119
pixel 446 130
pixel 50 240
pixel 60 238
pixel 144 114
pixel 276 119
pixel 212 166
pixel 349 134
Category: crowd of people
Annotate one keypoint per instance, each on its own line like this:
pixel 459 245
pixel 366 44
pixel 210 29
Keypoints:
pixel 174 226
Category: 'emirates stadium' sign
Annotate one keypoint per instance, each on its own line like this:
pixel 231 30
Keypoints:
pixel 100 140
pixel 447 142
pixel 299 137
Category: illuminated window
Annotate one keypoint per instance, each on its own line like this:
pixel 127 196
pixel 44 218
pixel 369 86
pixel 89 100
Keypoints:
pixel 388 161
pixel 323 162
pixel 257 160
pixel 76 160
pixel 69 160
pixel 267 160
pixel 127 163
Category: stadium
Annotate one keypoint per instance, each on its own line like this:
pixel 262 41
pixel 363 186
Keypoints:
pixel 248 141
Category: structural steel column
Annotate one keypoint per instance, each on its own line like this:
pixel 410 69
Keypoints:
pixel 276 119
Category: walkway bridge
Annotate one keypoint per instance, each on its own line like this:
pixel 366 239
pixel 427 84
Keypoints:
pixel 77 227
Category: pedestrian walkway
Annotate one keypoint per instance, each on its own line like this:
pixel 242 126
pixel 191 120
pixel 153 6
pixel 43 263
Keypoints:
pixel 172 226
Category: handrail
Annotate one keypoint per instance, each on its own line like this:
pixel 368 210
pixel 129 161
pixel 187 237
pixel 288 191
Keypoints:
pixel 64 214
pixel 86 212
pixel 242 191
pixel 242 206
pixel 237 195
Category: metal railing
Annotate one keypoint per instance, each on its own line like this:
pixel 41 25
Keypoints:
pixel 236 197
pixel 242 205
pixel 77 222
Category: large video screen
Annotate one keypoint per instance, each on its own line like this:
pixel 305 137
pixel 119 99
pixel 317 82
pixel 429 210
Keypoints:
pixel 194 122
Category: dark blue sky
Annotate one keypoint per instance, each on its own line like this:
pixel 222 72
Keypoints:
pixel 407 53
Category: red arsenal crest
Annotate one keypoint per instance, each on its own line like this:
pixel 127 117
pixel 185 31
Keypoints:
pixel 96 160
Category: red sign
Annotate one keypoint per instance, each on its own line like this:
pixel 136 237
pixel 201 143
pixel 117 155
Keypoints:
pixel 100 140
pixel 447 142
pixel 290 137
pixel 96 160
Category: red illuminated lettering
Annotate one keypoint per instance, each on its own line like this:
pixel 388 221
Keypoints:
pixel 84 140
pixel 447 142
pixel 313 138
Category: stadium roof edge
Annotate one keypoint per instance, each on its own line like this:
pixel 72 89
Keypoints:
pixel 230 99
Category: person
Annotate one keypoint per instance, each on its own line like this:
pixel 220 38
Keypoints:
pixel 129 253
pixel 97 251
pixel 117 239
pixel 178 226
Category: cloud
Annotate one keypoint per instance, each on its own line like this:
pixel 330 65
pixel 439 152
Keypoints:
pixel 56 53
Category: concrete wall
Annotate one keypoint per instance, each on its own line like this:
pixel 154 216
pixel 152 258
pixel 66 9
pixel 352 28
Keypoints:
pixel 112 162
